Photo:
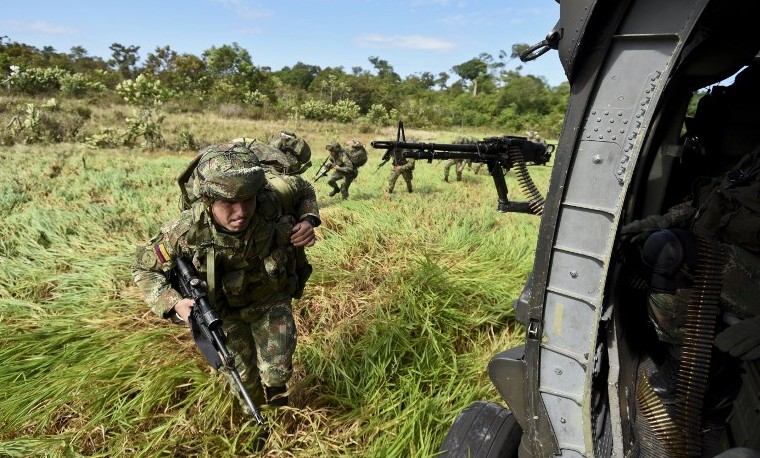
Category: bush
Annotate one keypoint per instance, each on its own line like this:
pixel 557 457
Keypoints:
pixel 46 123
pixel 315 110
pixel 36 81
pixel 345 111
pixel 378 115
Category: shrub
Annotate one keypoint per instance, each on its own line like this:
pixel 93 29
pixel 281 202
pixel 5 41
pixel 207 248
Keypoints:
pixel 345 111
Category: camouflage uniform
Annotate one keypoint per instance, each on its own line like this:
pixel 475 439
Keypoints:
pixel 404 169
pixel 459 163
pixel 251 275
pixel 345 169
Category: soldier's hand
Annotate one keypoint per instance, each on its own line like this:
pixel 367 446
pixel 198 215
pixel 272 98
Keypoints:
pixel 303 234
pixel 183 308
pixel 741 340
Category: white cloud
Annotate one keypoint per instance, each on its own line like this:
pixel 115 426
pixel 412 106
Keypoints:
pixel 39 26
pixel 404 42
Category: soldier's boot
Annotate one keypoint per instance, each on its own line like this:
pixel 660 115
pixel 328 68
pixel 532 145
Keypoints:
pixel 277 396
pixel 459 177
pixel 389 190
pixel 409 187
pixel 334 191
pixel 446 178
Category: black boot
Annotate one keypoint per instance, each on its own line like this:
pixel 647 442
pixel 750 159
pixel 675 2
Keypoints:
pixel 277 396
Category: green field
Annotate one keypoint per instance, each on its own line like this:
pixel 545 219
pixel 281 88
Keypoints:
pixel 410 297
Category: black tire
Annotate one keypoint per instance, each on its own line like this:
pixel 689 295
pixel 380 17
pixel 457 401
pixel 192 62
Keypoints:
pixel 482 430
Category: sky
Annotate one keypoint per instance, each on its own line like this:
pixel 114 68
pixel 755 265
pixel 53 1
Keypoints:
pixel 413 36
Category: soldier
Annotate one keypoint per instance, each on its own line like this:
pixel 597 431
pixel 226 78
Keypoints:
pixel 403 167
pixel 343 169
pixel 295 157
pixel 723 206
pixel 294 147
pixel 241 233
pixel 533 136
pixel 458 164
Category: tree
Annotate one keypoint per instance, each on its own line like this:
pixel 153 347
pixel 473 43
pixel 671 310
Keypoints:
pixel 443 77
pixel 470 71
pixel 124 59
pixel 82 63
pixel 300 76
pixel 160 61
pixel 228 61
pixel 384 69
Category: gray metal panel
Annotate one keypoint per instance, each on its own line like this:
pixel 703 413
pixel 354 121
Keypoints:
pixel 641 21
pixel 595 186
pixel 570 376
pixel 576 275
pixel 567 324
pixel 584 229
pixel 628 88
pixel 574 15
pixel 563 414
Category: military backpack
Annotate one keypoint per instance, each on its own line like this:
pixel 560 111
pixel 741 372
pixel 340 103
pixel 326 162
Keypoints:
pixel 357 153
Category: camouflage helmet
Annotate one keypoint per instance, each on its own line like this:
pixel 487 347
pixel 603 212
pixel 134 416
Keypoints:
pixel 228 171
pixel 289 143
pixel 333 146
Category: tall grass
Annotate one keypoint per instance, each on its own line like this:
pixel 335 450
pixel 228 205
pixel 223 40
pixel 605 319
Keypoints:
pixel 411 296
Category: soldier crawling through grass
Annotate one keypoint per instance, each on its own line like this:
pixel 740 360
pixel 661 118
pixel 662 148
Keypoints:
pixel 245 236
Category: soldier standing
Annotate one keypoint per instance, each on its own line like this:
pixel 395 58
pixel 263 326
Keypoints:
pixel 402 167
pixel 458 164
pixel 237 233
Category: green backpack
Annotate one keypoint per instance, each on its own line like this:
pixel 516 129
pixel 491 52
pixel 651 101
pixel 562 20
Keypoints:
pixel 357 153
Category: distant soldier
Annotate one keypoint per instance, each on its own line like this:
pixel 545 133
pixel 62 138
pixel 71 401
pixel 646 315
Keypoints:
pixel 535 137
pixel 458 164
pixel 294 147
pixel 345 163
pixel 402 167
pixel 296 153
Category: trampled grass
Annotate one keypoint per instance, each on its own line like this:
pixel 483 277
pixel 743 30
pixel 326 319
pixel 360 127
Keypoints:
pixel 411 296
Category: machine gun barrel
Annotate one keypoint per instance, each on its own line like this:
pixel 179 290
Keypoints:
pixel 500 154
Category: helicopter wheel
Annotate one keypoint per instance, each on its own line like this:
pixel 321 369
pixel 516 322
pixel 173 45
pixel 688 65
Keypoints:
pixel 483 430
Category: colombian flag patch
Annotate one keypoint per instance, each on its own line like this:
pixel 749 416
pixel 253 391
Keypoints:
pixel 162 253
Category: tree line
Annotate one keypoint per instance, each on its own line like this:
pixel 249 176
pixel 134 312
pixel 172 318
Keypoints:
pixel 482 92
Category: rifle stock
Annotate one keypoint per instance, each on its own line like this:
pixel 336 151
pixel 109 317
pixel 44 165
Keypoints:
pixel 207 329
pixel 500 154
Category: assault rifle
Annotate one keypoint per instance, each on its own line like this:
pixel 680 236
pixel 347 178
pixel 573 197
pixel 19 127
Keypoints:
pixel 324 169
pixel 207 329
pixel 500 154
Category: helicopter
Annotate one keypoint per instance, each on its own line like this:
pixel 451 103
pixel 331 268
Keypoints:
pixel 642 335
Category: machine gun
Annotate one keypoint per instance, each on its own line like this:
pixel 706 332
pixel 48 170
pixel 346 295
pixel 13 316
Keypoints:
pixel 500 154
pixel 324 169
pixel 207 329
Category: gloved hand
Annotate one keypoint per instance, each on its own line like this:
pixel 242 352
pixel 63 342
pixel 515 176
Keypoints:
pixel 741 340
pixel 640 230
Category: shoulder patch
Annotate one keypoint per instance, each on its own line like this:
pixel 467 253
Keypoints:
pixel 162 253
